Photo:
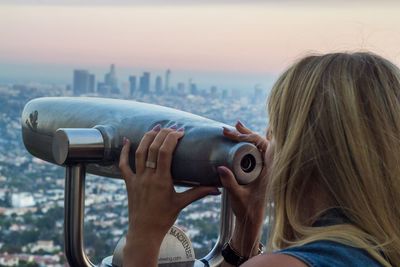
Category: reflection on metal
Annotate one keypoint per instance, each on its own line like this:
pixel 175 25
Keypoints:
pixel 74 204
pixel 59 126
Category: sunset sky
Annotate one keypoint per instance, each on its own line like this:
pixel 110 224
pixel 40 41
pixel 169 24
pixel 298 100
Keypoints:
pixel 235 39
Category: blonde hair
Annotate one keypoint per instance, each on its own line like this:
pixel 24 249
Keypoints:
pixel 335 120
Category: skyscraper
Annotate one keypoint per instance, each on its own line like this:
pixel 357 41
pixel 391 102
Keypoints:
pixel 158 86
pixel 103 89
pixel 111 80
pixel 193 89
pixel 167 80
pixel 132 85
pixel 81 82
pixel 92 81
pixel 144 83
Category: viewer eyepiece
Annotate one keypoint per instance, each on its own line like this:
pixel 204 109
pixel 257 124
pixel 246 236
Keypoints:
pixel 248 163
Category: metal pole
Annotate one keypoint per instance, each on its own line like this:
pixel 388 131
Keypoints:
pixel 74 205
pixel 214 257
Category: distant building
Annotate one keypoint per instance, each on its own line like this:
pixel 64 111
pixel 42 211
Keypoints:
pixel 9 260
pixel 193 89
pixel 111 80
pixel 22 200
pixel 103 89
pixel 92 82
pixel 132 85
pixel 158 86
pixel 43 245
pixel 144 83
pixel 167 80
pixel 81 82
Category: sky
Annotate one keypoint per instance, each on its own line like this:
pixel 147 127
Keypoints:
pixel 238 43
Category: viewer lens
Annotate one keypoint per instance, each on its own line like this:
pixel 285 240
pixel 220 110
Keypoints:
pixel 248 163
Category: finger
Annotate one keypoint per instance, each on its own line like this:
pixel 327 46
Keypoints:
pixel 228 180
pixel 141 151
pixel 260 142
pixel 126 170
pixel 195 193
pixel 152 154
pixel 166 150
pixel 242 129
pixel 254 138
pixel 233 134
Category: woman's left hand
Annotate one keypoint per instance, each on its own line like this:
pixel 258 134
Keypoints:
pixel 152 201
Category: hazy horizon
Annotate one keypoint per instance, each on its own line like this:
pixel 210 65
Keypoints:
pixel 62 75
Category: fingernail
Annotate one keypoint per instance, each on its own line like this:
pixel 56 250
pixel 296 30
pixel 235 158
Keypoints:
pixel 222 171
pixel 216 192
pixel 181 129
pixel 157 128
pixel 125 140
pixel 243 135
pixel 240 123
pixel 226 129
pixel 174 127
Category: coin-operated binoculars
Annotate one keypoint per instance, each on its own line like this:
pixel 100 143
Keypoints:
pixel 85 135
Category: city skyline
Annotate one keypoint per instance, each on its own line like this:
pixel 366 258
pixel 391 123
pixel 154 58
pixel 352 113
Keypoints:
pixel 62 75
pixel 85 82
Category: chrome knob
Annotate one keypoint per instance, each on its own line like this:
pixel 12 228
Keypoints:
pixel 77 145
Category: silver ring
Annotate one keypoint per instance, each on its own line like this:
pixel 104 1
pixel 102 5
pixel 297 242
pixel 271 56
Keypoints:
pixel 150 164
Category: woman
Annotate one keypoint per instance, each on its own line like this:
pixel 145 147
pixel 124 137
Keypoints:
pixel 331 179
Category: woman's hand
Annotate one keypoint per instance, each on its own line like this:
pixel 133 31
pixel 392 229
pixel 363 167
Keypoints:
pixel 248 201
pixel 152 201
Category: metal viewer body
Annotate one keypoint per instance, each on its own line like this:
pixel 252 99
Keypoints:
pixel 90 130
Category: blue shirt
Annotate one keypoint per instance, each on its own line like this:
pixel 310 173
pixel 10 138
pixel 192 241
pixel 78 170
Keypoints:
pixel 328 253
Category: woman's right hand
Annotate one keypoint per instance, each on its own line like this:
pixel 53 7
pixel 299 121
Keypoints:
pixel 248 201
